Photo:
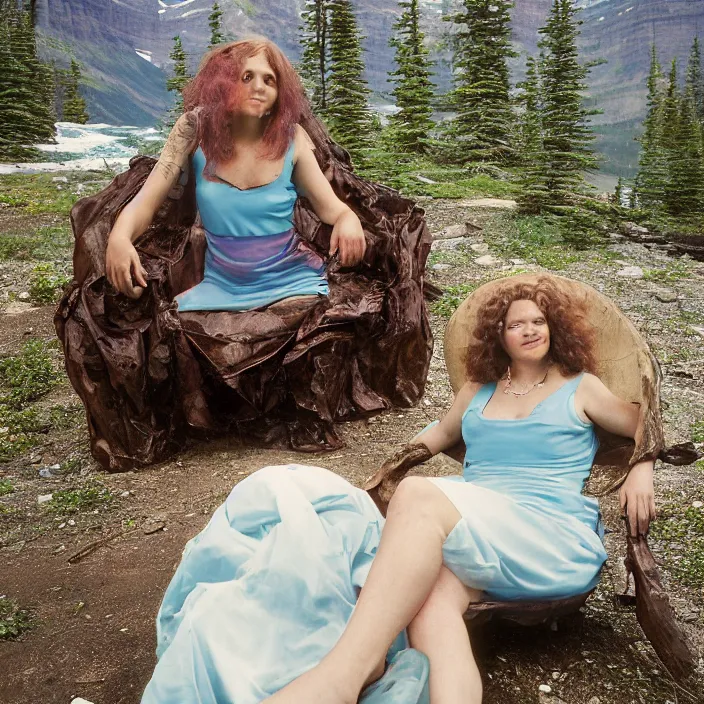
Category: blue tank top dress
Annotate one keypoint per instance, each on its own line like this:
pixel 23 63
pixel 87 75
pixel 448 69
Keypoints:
pixel 527 531
pixel 253 257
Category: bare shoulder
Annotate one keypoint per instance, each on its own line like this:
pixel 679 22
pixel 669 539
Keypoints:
pixel 468 391
pixel 302 143
pixel 592 384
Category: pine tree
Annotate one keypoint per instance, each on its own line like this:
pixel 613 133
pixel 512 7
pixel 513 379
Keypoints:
pixel 567 134
pixel 414 89
pixel 530 153
pixel 74 106
pixel 484 117
pixel 313 67
pixel 653 174
pixel 682 142
pixel 687 173
pixel 694 80
pixel 669 137
pixel 26 86
pixel 348 116
pixel 215 24
pixel 618 191
pixel 178 81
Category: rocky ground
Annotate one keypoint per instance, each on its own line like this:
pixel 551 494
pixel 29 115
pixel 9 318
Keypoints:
pixel 86 556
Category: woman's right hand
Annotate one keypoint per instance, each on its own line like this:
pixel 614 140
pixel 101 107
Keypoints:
pixel 123 267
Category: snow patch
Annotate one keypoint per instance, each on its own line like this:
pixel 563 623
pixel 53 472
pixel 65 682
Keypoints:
pixel 194 12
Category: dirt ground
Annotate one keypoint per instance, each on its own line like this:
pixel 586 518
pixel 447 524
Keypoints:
pixel 94 617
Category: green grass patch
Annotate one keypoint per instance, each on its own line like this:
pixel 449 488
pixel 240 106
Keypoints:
pixel 410 174
pixel 698 431
pixel 682 530
pixel 36 194
pixel 86 498
pixel 674 271
pixel 535 238
pixel 452 297
pixel 6 487
pixel 46 284
pixel 49 243
pixel 14 621
pixel 26 376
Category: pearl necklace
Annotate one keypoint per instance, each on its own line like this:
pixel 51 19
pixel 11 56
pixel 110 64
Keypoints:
pixel 536 385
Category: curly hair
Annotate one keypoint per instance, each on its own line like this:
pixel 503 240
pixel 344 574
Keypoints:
pixel 572 338
pixel 217 88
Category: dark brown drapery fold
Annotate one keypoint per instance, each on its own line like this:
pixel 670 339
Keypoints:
pixel 149 377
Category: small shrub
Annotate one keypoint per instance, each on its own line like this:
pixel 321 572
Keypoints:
pixel 45 284
pixel 6 487
pixel 83 499
pixel 14 621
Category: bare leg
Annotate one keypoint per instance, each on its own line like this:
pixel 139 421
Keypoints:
pixel 440 632
pixel 402 576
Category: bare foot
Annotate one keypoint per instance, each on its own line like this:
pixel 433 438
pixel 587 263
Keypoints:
pixel 317 686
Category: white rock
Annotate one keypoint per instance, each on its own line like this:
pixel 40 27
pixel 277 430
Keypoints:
pixel 441 267
pixel 80 700
pixel 451 232
pixel 665 296
pixel 479 247
pixel 487 260
pixel 697 504
pixel 124 494
pixel 517 262
pixel 424 179
pixel 699 331
pixel 59 179
pixel 448 244
pixel 632 272
pixel 24 296
pixel 43 498
pixel 545 688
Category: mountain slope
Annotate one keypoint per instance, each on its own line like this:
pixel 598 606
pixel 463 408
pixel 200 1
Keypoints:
pixel 104 35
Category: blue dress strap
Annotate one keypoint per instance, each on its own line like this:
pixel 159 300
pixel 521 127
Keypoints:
pixel 481 398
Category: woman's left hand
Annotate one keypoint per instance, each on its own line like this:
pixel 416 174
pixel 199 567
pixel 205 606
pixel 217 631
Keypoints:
pixel 348 238
pixel 637 497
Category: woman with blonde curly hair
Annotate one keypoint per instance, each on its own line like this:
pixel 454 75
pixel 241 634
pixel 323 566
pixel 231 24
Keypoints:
pixel 515 526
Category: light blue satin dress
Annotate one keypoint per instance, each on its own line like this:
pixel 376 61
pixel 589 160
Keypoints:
pixel 265 590
pixel 253 257
pixel 527 530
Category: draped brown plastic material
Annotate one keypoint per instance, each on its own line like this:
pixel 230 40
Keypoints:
pixel 284 375
pixel 627 367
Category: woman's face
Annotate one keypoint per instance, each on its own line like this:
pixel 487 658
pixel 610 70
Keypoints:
pixel 525 335
pixel 259 87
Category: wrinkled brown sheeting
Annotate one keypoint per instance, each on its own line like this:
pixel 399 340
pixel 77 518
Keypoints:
pixel 149 376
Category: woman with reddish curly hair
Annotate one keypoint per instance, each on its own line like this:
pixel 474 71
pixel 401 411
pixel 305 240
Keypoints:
pixel 515 525
pixel 571 340
pixel 251 159
pixel 283 559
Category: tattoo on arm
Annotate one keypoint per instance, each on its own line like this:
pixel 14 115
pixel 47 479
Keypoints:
pixel 178 146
